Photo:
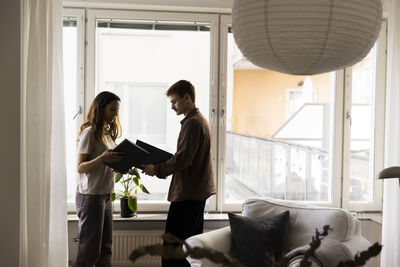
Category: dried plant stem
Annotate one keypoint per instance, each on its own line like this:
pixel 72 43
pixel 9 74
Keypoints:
pixel 314 244
pixel 174 250
pixel 361 258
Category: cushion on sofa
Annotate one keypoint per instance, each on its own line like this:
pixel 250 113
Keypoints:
pixel 304 218
pixel 252 240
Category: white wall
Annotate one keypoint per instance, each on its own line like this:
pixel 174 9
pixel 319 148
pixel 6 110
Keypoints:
pixel 10 131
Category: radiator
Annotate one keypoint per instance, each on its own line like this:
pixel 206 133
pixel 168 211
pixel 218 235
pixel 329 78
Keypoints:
pixel 124 242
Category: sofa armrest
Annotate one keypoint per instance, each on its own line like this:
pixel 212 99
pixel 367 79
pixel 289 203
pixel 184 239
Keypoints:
pixel 329 253
pixel 357 242
pixel 219 240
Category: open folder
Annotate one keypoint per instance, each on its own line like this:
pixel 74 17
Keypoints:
pixel 137 154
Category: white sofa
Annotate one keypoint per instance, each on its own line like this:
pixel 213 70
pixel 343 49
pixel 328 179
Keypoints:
pixel 304 219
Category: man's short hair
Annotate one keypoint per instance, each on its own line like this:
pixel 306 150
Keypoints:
pixel 181 88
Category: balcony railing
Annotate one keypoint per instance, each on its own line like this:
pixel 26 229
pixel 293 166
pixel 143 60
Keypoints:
pixel 263 167
pixel 270 168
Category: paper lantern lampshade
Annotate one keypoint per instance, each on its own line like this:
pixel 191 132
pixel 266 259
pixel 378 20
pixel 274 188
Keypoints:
pixel 305 37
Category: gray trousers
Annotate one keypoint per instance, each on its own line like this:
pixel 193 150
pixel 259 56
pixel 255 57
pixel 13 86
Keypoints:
pixel 95 230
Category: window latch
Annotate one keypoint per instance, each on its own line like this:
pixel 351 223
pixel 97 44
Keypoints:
pixel 77 113
pixel 348 116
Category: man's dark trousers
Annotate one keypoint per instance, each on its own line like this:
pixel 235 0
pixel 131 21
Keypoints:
pixel 185 219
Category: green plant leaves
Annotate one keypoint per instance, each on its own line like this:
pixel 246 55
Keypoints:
pixel 130 182
pixel 144 189
pixel 136 173
pixel 132 204
pixel 136 180
pixel 126 180
pixel 118 177
pixel 126 193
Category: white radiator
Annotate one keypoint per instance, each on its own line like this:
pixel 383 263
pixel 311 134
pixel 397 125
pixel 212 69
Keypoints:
pixel 124 242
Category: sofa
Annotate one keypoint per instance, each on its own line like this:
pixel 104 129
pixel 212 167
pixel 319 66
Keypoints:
pixel 304 220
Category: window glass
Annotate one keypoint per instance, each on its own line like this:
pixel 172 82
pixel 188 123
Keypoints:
pixel 70 101
pixel 279 128
pixel 278 136
pixel 362 129
pixel 138 60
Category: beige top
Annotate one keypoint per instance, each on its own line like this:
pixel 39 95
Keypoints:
pixel 100 180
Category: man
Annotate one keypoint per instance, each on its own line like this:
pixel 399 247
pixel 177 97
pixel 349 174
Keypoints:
pixel 191 168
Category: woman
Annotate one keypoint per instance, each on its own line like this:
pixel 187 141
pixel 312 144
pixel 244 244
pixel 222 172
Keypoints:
pixel 93 204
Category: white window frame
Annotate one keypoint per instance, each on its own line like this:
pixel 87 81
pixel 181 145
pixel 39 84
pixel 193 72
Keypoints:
pixel 379 129
pixel 340 184
pixel 336 162
pixel 80 75
pixel 218 102
pixel 94 14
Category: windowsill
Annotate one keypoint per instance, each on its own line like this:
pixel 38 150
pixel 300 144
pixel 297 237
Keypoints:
pixel 212 221
pixel 155 221
pixel 370 216
pixel 157 217
pixel 211 217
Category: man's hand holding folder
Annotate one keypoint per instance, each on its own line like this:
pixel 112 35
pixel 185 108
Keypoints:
pixel 149 169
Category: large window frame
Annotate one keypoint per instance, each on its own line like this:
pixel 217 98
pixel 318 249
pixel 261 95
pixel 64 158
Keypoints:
pixel 379 126
pixel 336 162
pixel 79 14
pixel 94 14
pixel 218 102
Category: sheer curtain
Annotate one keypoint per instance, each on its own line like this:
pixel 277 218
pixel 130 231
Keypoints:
pixel 391 196
pixel 43 181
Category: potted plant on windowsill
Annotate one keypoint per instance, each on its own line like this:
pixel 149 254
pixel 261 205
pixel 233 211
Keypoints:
pixel 128 196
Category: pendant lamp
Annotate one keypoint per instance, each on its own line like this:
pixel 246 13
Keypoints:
pixel 305 37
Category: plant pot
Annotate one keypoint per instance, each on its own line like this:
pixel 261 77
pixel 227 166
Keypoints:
pixel 126 212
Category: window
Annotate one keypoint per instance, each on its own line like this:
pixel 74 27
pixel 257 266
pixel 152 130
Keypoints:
pixel 138 55
pixel 73 22
pixel 296 97
pixel 143 114
pixel 284 134
pixel 312 138
pixel 363 128
pixel 270 152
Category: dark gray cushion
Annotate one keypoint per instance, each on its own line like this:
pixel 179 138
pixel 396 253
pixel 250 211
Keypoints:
pixel 252 240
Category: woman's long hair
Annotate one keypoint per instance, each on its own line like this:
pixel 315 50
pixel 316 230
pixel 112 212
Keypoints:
pixel 95 118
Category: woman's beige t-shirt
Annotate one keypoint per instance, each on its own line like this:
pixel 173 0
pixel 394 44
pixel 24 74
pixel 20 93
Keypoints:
pixel 100 180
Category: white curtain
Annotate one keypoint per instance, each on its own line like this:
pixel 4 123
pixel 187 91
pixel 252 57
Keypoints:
pixel 390 255
pixel 43 182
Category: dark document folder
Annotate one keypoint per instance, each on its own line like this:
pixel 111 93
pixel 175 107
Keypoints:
pixel 156 155
pixel 133 156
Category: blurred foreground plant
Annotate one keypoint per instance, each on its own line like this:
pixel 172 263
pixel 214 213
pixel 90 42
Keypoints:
pixel 179 249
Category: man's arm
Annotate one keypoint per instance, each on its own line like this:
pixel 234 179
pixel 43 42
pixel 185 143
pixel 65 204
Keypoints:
pixel 188 144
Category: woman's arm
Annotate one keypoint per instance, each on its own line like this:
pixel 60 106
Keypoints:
pixel 86 165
